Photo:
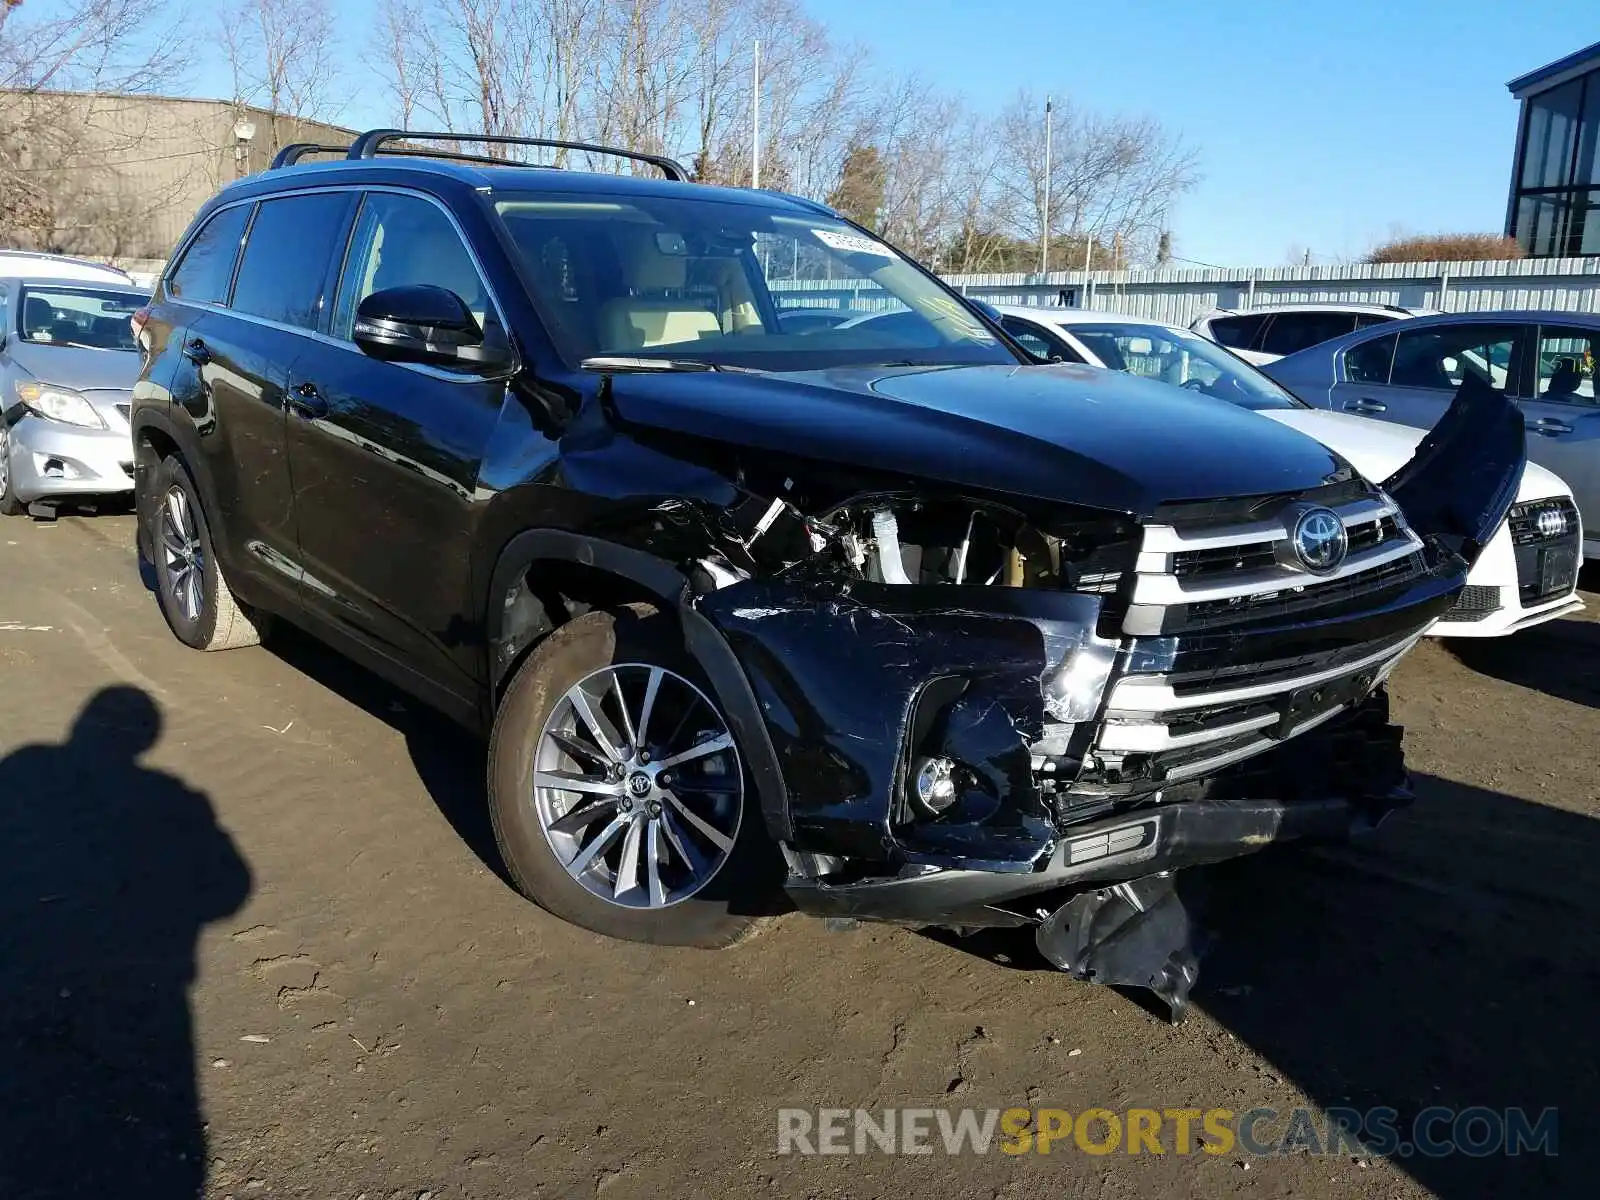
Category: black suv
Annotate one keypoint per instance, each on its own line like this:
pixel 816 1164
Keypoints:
pixel 876 607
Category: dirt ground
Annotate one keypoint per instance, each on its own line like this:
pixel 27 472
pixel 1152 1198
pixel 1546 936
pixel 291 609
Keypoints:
pixel 264 950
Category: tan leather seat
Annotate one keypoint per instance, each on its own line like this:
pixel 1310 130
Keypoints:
pixel 643 322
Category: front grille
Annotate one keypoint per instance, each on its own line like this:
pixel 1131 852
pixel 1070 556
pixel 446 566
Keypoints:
pixel 1536 521
pixel 1208 614
pixel 1215 668
pixel 1474 604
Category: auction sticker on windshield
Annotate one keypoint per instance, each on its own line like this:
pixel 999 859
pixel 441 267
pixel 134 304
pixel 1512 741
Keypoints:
pixel 850 243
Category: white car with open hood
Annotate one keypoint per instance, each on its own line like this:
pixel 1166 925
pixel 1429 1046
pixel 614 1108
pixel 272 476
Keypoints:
pixel 1527 573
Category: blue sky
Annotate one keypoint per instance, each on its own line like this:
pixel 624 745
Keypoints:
pixel 1319 125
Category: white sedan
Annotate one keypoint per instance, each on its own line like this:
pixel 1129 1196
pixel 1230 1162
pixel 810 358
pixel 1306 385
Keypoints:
pixel 1527 573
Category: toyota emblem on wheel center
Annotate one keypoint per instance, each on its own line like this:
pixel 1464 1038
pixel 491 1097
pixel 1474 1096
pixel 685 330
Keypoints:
pixel 1320 540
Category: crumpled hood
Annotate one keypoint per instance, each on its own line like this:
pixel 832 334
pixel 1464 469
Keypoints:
pixel 1380 448
pixel 1063 433
pixel 76 368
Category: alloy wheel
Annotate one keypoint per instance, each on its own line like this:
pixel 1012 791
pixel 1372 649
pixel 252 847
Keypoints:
pixel 638 786
pixel 5 457
pixel 181 556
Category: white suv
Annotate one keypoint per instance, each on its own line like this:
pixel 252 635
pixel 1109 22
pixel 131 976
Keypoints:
pixel 1263 335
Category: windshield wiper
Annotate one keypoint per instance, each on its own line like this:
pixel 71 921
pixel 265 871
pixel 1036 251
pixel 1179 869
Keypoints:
pixel 619 362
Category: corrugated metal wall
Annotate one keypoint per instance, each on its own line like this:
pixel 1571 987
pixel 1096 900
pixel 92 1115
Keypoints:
pixel 1179 296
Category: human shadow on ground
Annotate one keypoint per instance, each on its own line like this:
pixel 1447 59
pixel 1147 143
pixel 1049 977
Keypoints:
pixel 109 870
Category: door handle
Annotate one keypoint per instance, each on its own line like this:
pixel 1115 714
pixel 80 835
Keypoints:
pixel 1551 426
pixel 197 352
pixel 308 402
pixel 1365 405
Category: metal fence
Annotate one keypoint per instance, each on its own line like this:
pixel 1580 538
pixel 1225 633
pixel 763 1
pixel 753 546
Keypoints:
pixel 1179 296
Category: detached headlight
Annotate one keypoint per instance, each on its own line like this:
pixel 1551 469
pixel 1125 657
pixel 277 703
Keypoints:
pixel 58 404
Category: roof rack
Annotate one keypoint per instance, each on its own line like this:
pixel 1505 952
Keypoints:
pixel 295 151
pixel 371 143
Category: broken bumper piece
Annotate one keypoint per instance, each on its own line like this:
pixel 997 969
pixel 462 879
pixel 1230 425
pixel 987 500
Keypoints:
pixel 1160 838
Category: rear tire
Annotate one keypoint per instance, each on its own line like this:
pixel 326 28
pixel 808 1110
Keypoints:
pixel 668 844
pixel 195 599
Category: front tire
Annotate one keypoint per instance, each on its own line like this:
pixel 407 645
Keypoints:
pixel 10 506
pixel 618 795
pixel 193 596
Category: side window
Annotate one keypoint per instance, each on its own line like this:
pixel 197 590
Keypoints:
pixel 402 240
pixel 293 244
pixel 1292 332
pixel 1028 338
pixel 1237 332
pixel 1566 364
pixel 1369 361
pixel 1443 355
pixel 1368 320
pixel 207 267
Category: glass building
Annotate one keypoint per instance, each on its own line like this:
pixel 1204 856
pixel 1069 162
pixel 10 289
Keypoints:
pixel 1555 182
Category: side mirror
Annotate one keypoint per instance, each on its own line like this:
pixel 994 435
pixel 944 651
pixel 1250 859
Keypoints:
pixel 421 323
pixel 985 308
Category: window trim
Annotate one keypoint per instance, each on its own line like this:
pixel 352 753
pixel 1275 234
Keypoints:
pixel 226 309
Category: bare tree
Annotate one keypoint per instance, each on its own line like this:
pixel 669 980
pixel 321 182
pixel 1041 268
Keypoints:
pixel 1112 177
pixel 284 58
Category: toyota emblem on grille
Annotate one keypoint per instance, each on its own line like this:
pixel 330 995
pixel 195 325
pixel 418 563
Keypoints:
pixel 1320 540
pixel 1552 522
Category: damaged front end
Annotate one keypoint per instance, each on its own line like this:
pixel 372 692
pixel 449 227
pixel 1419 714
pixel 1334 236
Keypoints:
pixel 987 718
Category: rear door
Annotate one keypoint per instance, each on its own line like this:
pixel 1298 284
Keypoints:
pixel 241 350
pixel 1562 416
pixel 386 455
pixel 1424 368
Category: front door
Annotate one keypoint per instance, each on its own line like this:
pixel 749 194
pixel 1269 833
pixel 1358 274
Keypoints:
pixel 386 457
pixel 1562 414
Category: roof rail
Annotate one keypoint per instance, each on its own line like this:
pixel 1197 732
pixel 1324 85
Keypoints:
pixel 295 151
pixel 371 143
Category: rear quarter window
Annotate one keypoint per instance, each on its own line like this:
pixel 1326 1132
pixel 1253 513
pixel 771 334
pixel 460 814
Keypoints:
pixel 206 269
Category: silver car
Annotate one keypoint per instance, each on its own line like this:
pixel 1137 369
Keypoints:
pixel 1408 372
pixel 68 363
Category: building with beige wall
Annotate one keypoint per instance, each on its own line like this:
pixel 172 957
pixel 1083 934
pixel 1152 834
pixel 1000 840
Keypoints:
pixel 119 177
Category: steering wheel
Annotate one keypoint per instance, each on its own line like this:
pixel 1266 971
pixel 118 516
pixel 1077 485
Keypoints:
pixel 1194 385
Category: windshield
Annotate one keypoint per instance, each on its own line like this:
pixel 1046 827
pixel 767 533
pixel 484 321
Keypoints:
pixel 89 318
pixel 725 283
pixel 1185 359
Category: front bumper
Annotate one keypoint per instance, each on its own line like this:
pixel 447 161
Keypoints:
pixel 50 460
pixel 1503 592
pixel 1359 779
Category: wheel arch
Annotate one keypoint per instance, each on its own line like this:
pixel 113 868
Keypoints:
pixel 155 436
pixel 527 599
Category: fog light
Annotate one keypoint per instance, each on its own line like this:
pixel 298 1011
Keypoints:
pixel 933 784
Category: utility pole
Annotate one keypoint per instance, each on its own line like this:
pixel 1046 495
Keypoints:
pixel 755 122
pixel 1044 239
